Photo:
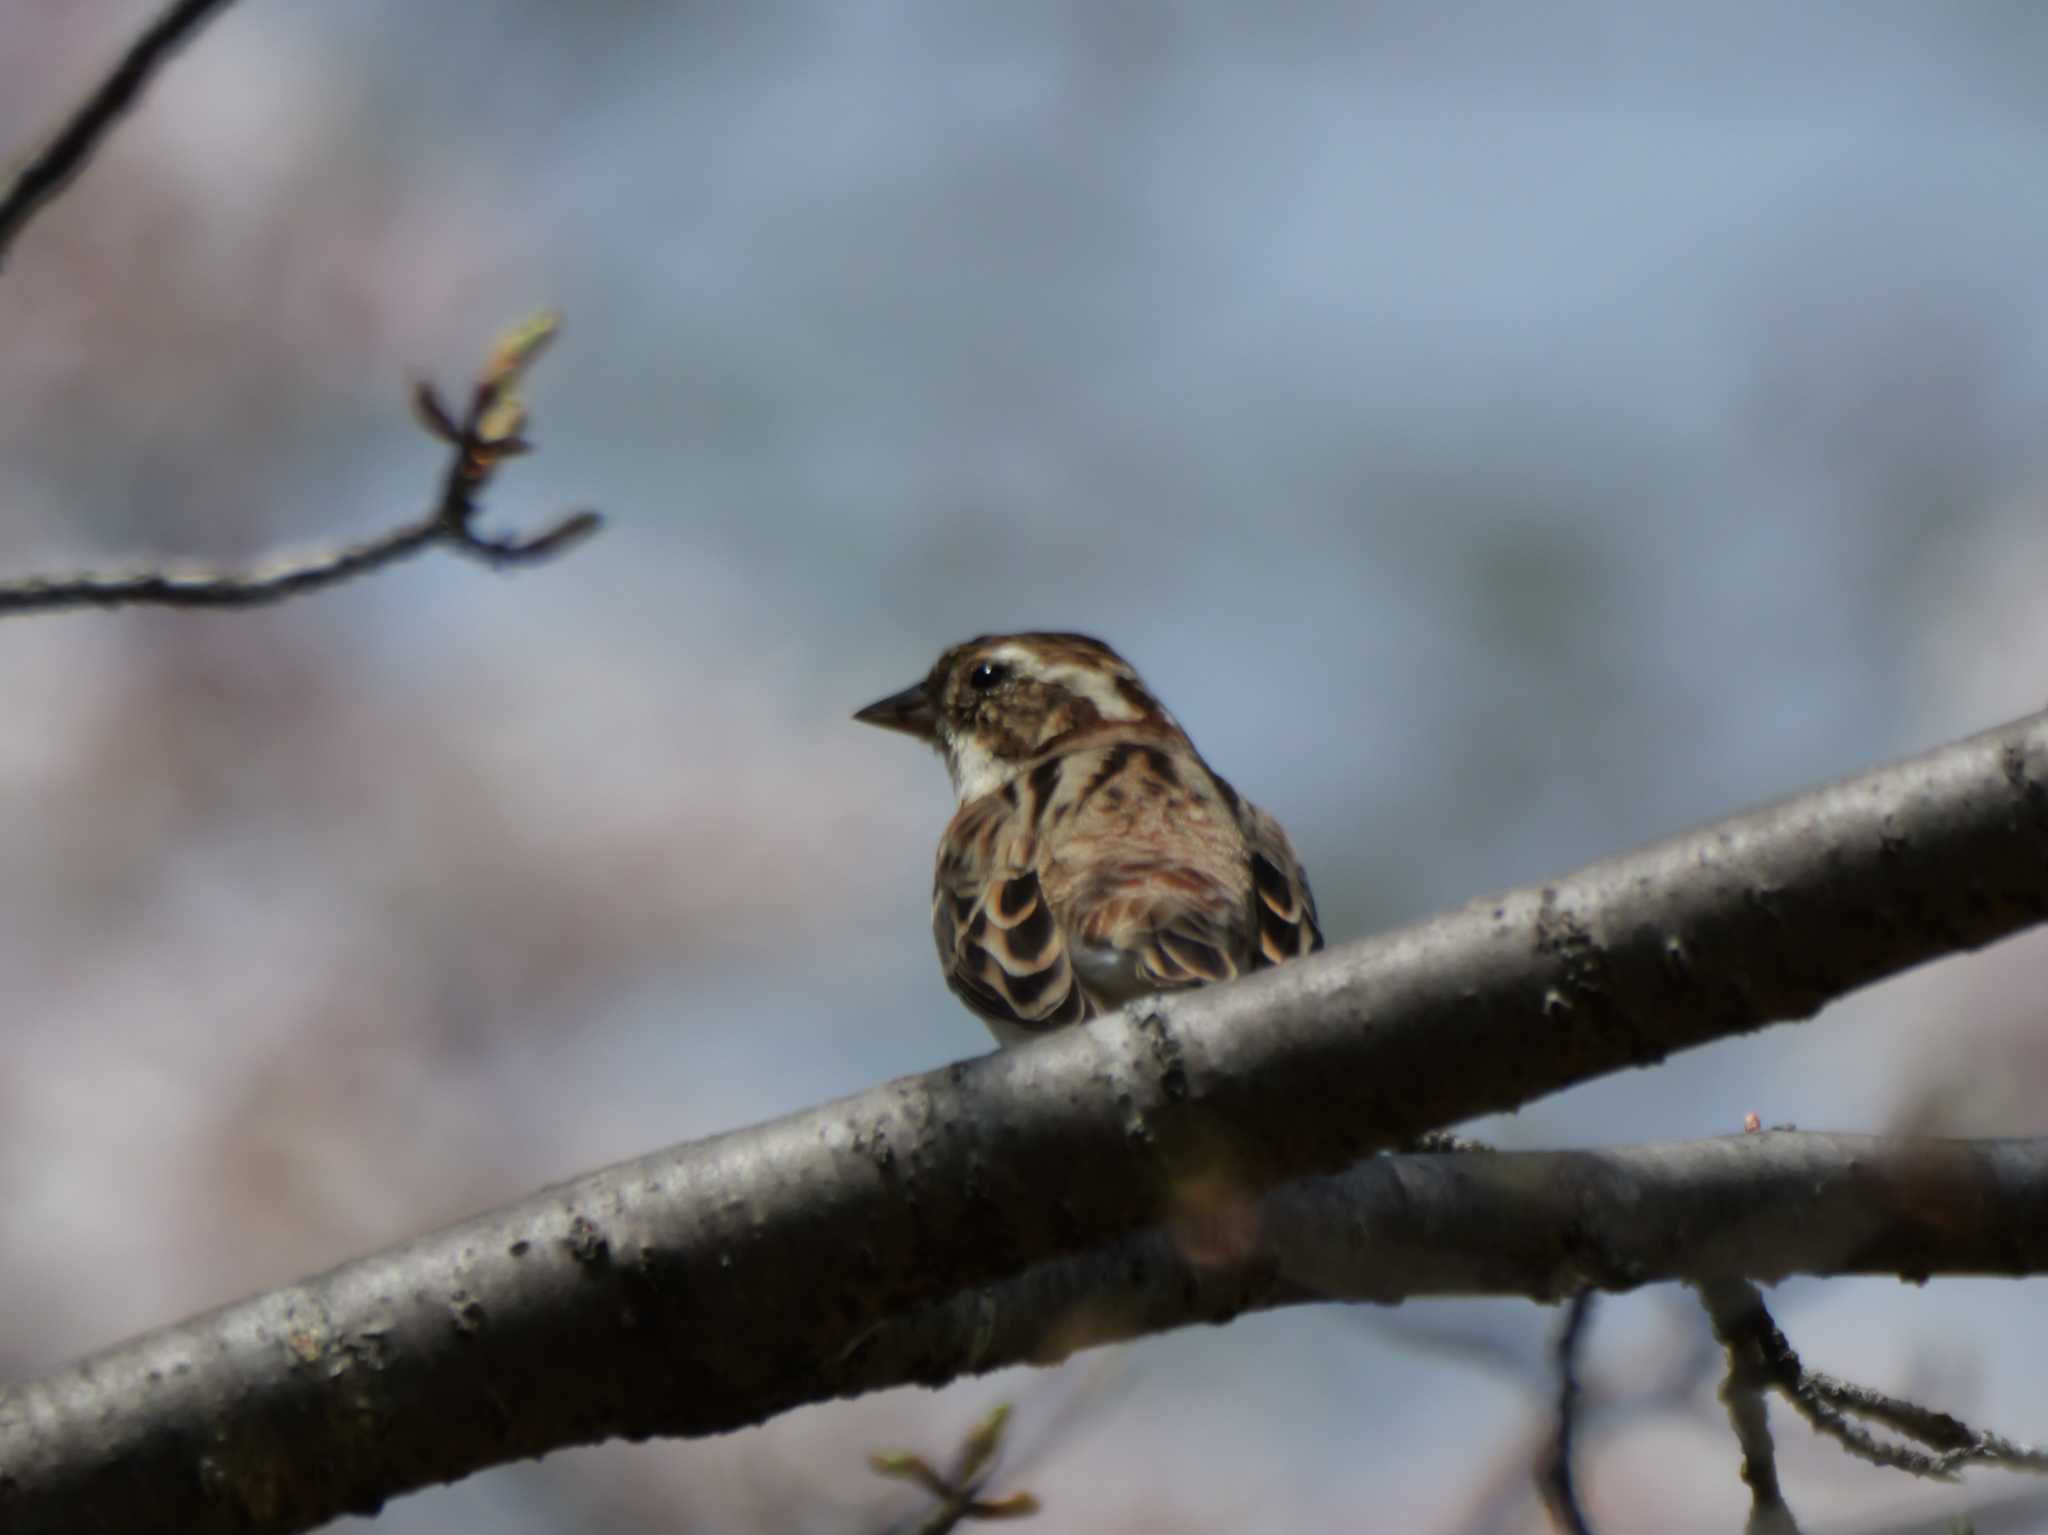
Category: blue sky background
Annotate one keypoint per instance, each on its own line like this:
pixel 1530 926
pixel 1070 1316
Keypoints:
pixel 1502 436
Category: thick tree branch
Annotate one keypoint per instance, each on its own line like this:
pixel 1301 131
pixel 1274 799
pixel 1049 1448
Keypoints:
pixel 442 1366
pixel 711 1285
pixel 47 172
pixel 489 432
pixel 1546 1225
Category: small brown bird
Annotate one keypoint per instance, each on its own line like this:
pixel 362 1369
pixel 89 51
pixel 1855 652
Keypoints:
pixel 1095 857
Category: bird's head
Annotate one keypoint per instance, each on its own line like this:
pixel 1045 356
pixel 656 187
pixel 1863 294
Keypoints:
pixel 993 704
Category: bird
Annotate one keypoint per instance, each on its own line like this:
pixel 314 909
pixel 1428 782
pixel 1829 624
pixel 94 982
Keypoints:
pixel 1093 857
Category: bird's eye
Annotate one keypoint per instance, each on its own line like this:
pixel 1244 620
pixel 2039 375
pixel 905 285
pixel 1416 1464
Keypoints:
pixel 987 675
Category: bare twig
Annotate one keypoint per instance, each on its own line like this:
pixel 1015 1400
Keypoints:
pixel 958 1496
pixel 45 174
pixel 1554 1468
pixel 1761 1357
pixel 1832 1406
pixel 1732 1305
pixel 1955 1441
pixel 489 432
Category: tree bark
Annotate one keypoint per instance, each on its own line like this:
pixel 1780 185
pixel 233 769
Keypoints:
pixel 709 1286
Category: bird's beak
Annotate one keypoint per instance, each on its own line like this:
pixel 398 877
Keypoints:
pixel 909 711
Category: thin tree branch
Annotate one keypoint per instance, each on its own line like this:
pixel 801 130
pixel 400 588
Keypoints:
pixel 1833 1406
pixel 489 432
pixel 1731 1304
pixel 1554 1470
pixel 706 1287
pixel 47 172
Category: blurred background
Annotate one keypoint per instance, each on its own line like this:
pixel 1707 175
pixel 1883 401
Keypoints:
pixel 1502 436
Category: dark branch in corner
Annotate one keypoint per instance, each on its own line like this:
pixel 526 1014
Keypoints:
pixel 950 1205
pixel 1554 1473
pixel 45 174
pixel 489 432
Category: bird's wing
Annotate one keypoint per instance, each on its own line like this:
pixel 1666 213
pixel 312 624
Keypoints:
pixel 1282 903
pixel 1149 868
pixel 1111 872
pixel 1205 908
pixel 1000 946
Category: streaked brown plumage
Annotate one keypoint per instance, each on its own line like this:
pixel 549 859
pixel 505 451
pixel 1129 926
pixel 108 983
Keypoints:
pixel 1094 857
